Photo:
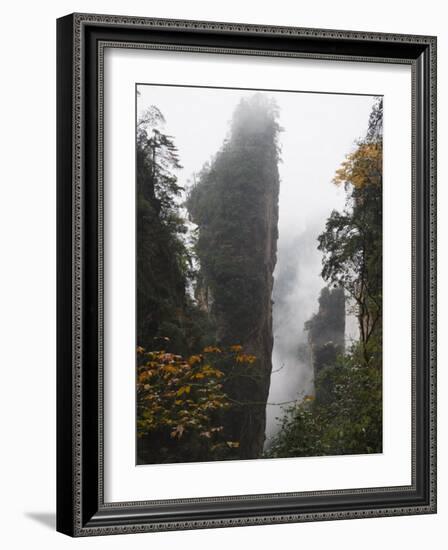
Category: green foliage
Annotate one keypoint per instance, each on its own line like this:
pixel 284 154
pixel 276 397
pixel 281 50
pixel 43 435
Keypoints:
pixel 164 263
pixel 345 419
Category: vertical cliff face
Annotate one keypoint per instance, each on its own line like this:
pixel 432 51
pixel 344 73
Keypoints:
pixel 326 333
pixel 235 205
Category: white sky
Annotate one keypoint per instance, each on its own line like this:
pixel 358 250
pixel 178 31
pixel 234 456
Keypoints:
pixel 319 130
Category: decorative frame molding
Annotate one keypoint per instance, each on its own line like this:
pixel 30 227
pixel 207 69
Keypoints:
pixel 81 42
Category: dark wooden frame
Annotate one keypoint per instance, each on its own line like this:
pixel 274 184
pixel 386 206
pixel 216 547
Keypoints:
pixel 81 510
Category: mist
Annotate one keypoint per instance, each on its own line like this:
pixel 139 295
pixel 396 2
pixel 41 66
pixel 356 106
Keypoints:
pixel 319 130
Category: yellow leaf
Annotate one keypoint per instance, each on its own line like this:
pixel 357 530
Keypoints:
pixel 212 349
pixel 195 359
pixel 245 358
pixel 236 348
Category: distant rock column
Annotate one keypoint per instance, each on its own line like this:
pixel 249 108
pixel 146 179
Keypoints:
pixel 326 333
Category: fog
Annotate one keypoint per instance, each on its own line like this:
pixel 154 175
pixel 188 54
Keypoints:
pixel 319 130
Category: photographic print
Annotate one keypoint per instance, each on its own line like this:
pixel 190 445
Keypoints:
pixel 258 274
pixel 246 274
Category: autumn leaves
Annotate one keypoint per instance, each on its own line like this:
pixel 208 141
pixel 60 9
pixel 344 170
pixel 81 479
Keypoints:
pixel 184 396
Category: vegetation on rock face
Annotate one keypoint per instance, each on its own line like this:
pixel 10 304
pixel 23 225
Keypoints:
pixel 235 206
pixel 345 415
pixel 326 329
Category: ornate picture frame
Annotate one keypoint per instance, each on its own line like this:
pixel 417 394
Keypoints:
pixel 81 506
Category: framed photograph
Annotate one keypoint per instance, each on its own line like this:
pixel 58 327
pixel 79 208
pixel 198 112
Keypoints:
pixel 246 274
